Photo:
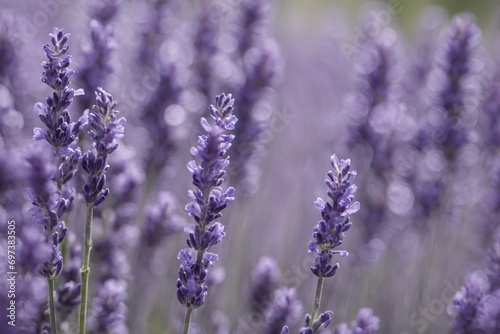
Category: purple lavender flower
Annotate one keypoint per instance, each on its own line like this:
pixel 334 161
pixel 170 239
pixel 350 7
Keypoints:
pixel 105 11
pixel 209 201
pixel 61 133
pixel 264 279
pixel 259 73
pixel 205 46
pixel 106 129
pixel 488 316
pixel 109 310
pixel 153 34
pixel 449 116
pixel 162 140
pixel 323 321
pixel 329 232
pixel 466 304
pixel 68 297
pixel 97 56
pixel 254 17
pixel 160 221
pixel 8 57
pixel 366 323
pixel 373 117
pixel 97 53
pixel 284 309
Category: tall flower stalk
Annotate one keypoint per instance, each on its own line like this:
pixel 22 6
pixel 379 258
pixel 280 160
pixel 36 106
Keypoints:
pixel 106 129
pixel 209 201
pixel 329 234
pixel 61 134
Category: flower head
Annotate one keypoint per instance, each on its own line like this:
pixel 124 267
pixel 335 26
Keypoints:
pixel 329 232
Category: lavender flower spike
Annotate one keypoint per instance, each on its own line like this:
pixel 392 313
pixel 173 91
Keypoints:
pixel 62 135
pixel 106 129
pixel 209 201
pixel 329 232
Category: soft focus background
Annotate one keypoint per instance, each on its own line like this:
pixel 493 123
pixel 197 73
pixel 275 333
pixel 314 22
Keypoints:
pixel 404 264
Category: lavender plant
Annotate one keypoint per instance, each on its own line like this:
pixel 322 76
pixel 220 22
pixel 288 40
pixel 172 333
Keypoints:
pixel 264 281
pixel 51 204
pixel 97 54
pixel 209 201
pixel 329 233
pixel 106 129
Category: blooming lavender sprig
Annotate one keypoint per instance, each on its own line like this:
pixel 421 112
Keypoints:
pixel 209 201
pixel 106 129
pixel 329 234
pixel 61 133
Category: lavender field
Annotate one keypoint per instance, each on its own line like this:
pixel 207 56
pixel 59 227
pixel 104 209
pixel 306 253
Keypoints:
pixel 249 166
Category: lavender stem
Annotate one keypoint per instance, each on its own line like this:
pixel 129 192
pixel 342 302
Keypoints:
pixel 86 266
pixel 317 299
pixel 187 320
pixel 52 306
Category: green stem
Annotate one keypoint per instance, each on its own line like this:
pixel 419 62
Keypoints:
pixel 86 267
pixel 317 301
pixel 187 320
pixel 52 306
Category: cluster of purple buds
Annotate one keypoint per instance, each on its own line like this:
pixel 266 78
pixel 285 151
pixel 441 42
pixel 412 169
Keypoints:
pixel 209 201
pixel 62 135
pixel 329 232
pixel 454 97
pixel 106 129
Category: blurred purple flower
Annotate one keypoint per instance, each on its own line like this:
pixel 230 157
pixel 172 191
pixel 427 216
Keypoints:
pixel 97 61
pixel 109 311
pixel 465 305
pixel 488 316
pixel 265 277
pixel 284 309
pixel 453 95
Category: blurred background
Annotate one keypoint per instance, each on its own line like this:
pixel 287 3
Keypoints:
pixel 306 89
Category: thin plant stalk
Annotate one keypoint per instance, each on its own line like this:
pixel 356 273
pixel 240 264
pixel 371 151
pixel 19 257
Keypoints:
pixel 317 299
pixel 52 306
pixel 85 271
pixel 187 320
